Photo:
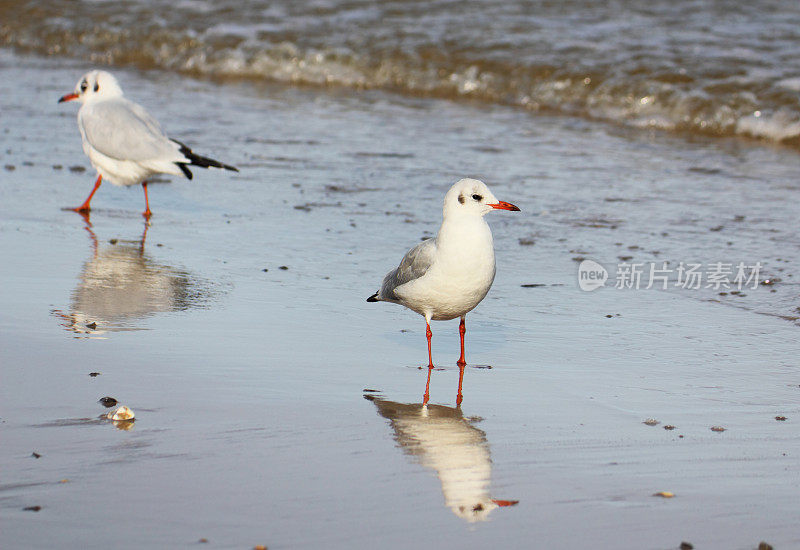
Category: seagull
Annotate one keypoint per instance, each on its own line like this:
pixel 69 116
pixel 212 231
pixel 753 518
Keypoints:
pixel 125 144
pixel 446 277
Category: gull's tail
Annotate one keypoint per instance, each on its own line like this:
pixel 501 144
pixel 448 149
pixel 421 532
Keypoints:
pixel 196 160
pixel 373 298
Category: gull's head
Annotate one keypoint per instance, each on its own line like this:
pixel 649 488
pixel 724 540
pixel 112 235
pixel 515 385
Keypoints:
pixel 469 197
pixel 94 85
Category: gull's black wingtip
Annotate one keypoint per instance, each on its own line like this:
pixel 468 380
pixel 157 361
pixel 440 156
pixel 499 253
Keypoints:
pixel 197 160
pixel 373 298
pixel 184 169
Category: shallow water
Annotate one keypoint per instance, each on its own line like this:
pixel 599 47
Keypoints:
pixel 252 426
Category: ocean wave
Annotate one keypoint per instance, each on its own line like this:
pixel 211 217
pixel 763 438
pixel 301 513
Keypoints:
pixel 724 92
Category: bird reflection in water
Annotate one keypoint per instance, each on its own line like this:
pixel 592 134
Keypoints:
pixel 443 440
pixel 459 396
pixel 121 284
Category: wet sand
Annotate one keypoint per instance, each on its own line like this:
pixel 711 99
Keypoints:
pixel 248 385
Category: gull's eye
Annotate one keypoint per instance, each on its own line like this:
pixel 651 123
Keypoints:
pixel 477 197
pixel 84 85
pixel 96 86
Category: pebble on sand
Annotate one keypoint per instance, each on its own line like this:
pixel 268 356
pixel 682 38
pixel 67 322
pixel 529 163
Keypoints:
pixel 107 401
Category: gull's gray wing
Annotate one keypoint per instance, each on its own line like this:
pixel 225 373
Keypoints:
pixel 413 266
pixel 123 130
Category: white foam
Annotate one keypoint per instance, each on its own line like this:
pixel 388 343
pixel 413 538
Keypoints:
pixel 776 127
pixel 790 83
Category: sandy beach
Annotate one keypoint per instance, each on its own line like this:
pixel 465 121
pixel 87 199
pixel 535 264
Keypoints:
pixel 275 407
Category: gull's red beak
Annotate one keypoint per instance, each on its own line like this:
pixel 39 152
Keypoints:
pixel 502 205
pixel 68 97
pixel 506 502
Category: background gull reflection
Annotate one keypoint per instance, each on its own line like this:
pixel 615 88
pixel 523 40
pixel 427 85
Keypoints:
pixel 443 440
pixel 120 285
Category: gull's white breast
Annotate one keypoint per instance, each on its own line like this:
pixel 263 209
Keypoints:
pixel 459 278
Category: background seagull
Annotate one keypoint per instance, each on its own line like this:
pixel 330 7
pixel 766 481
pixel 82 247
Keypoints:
pixel 446 277
pixel 124 143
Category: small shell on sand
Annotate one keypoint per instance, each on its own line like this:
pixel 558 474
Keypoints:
pixel 121 413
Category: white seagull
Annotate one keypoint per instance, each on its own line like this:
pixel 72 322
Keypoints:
pixel 446 277
pixel 124 143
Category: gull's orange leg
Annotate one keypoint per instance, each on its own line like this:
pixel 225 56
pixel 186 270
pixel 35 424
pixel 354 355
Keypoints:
pixel 462 330
pixel 85 207
pixel 429 334
pixel 146 212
